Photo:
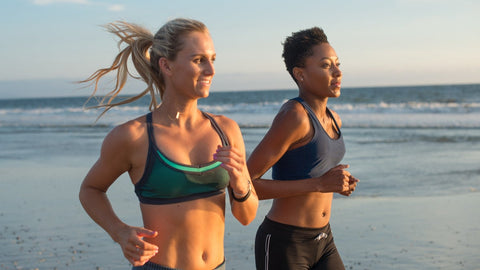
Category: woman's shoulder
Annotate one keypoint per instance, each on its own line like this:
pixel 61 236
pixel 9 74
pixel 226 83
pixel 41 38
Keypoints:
pixel 228 126
pixel 293 114
pixel 128 132
pixel 223 121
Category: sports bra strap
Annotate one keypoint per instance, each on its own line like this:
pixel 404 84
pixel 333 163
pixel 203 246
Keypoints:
pixel 220 132
pixel 312 113
pixel 150 127
pixel 339 132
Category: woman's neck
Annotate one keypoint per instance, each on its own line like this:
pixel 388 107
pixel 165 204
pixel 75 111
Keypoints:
pixel 318 105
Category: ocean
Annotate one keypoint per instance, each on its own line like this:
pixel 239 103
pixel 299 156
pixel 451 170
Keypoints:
pixel 403 143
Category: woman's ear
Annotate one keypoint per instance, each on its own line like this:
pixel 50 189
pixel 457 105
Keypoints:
pixel 164 66
pixel 298 74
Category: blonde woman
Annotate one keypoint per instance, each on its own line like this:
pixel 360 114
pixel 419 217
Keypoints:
pixel 179 158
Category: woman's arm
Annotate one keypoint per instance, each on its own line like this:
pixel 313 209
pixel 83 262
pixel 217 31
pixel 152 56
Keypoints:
pixel 114 160
pixel 233 160
pixel 290 129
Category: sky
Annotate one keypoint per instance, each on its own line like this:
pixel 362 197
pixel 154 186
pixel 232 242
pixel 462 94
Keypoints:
pixel 46 45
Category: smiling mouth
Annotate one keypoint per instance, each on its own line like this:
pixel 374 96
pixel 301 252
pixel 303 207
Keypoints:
pixel 204 81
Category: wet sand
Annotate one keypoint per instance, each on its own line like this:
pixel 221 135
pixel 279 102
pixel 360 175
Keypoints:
pixel 42 226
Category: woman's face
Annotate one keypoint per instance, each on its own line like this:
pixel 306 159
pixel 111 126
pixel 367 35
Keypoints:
pixel 321 75
pixel 192 71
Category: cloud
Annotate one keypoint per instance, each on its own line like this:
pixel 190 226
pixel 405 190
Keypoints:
pixel 116 7
pixel 110 7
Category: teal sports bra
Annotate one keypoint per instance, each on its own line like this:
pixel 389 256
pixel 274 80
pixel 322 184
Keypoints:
pixel 166 182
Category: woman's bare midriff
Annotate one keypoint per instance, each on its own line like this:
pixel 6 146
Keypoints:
pixel 308 211
pixel 190 234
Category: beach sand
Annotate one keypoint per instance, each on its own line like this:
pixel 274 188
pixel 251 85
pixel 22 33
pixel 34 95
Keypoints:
pixel 44 227
pixel 390 233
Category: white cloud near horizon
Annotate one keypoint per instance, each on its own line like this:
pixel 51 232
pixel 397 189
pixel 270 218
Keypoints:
pixel 116 7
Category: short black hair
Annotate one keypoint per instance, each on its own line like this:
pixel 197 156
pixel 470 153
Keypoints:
pixel 298 47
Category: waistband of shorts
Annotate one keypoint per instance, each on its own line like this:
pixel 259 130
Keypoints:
pixel 154 266
pixel 295 230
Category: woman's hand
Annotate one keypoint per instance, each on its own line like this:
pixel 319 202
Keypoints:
pixel 337 180
pixel 352 184
pixel 235 164
pixel 233 161
pixel 135 249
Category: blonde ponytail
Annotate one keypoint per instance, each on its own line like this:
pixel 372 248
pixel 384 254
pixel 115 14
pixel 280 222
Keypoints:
pixel 145 50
